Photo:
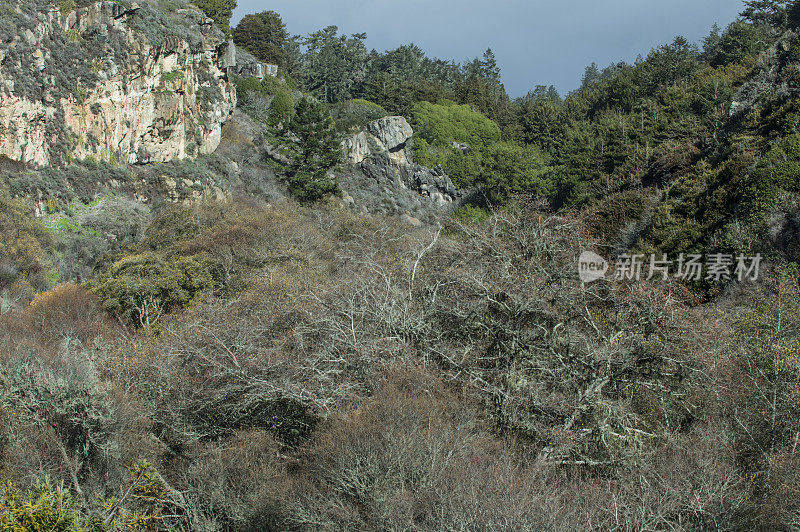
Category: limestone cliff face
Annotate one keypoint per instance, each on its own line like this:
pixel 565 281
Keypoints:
pixel 111 80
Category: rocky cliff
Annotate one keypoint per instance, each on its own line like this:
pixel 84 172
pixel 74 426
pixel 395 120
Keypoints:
pixel 116 81
pixel 381 163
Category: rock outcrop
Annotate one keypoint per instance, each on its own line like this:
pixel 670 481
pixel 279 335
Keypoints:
pixel 383 177
pixel 244 64
pixel 116 81
pixel 387 135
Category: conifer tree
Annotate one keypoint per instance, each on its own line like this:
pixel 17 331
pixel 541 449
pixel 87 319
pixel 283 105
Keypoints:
pixel 319 152
pixel 771 12
pixel 263 35
pixel 219 10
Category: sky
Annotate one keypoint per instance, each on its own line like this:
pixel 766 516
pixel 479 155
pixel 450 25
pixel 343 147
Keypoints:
pixel 536 42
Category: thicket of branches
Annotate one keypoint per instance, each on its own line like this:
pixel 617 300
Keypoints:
pixel 346 373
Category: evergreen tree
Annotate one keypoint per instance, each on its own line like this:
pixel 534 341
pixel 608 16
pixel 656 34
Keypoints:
pixel 220 11
pixel 590 76
pixel 771 12
pixel 334 66
pixel 711 43
pixel 383 90
pixel 319 152
pixel 491 72
pixel 263 35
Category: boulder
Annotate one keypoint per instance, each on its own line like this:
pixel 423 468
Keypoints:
pixel 385 135
pixel 392 131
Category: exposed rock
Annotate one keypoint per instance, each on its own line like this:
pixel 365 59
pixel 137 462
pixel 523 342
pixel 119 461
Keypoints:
pixel 246 65
pixel 357 148
pixel 460 146
pixel 387 135
pixel 392 131
pixel 381 153
pixel 135 101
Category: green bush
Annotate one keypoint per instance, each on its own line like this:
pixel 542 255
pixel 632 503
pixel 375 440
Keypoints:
pixel 281 108
pixel 46 507
pixel 24 244
pixel 143 287
pixel 446 121
pixel 500 168
pixel 245 85
pixel 470 214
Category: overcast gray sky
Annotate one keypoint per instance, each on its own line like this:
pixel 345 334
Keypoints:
pixel 537 42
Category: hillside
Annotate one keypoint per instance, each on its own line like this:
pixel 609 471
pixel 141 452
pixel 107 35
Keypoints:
pixel 250 281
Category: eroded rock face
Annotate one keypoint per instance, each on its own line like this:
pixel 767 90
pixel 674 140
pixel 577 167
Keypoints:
pixel 381 155
pixel 105 81
pixel 392 131
pixel 387 135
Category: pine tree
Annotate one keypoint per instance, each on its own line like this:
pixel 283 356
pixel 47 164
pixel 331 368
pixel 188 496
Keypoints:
pixel 319 152
pixel 264 35
pixel 771 12
pixel 220 11
pixel 590 76
pixel 491 72
pixel 711 44
pixel 384 90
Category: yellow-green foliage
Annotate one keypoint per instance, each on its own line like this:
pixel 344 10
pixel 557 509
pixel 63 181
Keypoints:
pixel 446 121
pixel 142 287
pixel 498 167
pixel 46 507
pixel 66 6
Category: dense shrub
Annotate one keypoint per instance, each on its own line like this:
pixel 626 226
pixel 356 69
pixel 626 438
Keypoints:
pixel 66 312
pixel 142 287
pixel 445 122
pixel 281 109
pixel 44 507
pixel 24 244
pixel 57 398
